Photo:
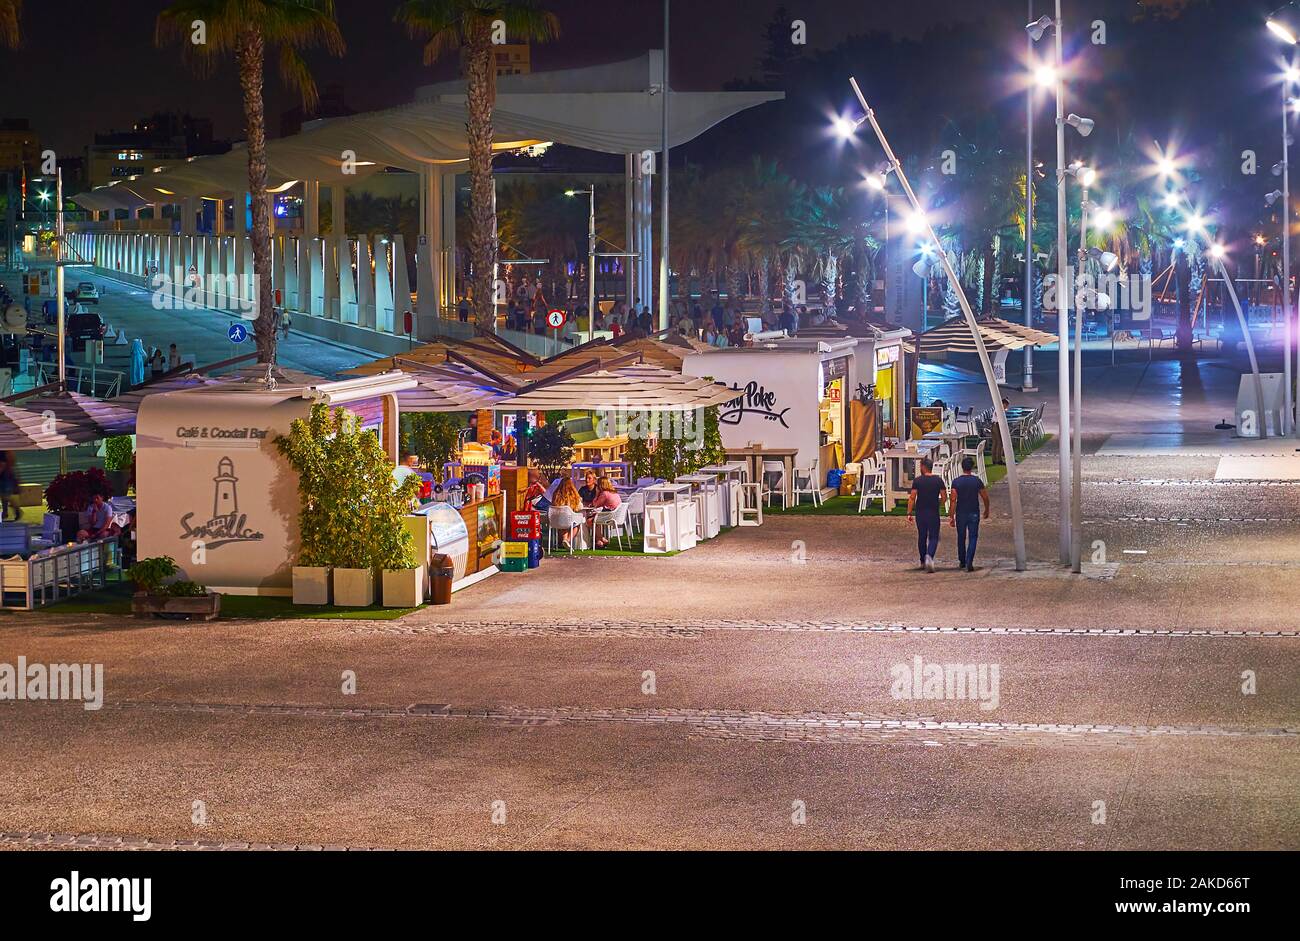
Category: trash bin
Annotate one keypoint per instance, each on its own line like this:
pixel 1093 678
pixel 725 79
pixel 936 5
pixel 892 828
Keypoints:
pixel 441 573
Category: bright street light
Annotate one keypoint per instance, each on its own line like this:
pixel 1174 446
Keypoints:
pixel 1044 76
pixel 1086 176
pixel 1195 223
pixel 875 181
pixel 1282 23
pixel 916 223
pixel 1041 25
pixel 1172 200
pixel 1217 251
pixel 844 128
pixel 1103 219
pixel 1083 125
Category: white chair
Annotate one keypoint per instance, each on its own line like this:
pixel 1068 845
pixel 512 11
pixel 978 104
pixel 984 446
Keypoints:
pixel 807 482
pixel 875 489
pixel 773 476
pixel 613 522
pixel 751 505
pixel 635 504
pixel 978 454
pixel 562 519
pixel 943 470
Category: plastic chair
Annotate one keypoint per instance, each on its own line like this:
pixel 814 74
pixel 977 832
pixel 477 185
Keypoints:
pixel 978 454
pixel 806 482
pixel 751 505
pixel 614 522
pixel 773 469
pixel 874 490
pixel 562 519
pixel 635 504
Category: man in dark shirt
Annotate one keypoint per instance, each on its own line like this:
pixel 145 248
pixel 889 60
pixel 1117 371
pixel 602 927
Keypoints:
pixel 964 512
pixel 923 503
pixel 718 314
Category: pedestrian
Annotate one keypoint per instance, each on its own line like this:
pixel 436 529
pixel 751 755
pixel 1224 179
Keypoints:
pixel 157 365
pixel 9 486
pixel 285 322
pixel 964 512
pixel 718 313
pixel 173 357
pixel 923 503
pixel 512 315
pixel 462 309
pixel 786 320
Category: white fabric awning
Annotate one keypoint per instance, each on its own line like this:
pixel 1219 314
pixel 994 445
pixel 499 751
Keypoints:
pixel 625 389
pixel 567 107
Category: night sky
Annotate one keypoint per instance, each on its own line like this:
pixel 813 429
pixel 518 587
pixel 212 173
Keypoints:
pixel 92 66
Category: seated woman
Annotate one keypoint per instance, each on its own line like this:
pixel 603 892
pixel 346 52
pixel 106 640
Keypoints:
pixel 606 498
pixel 567 495
pixel 536 493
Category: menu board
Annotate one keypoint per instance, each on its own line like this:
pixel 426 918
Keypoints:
pixel 926 419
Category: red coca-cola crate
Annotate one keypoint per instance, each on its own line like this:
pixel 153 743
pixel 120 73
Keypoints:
pixel 525 525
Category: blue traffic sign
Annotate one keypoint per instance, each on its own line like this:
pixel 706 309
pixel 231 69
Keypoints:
pixel 238 333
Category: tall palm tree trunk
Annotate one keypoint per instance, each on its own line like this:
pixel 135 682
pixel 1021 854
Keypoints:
pixel 481 86
pixel 250 57
pixel 765 286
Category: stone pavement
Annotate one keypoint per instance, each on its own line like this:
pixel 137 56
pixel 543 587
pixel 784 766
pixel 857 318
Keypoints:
pixel 745 694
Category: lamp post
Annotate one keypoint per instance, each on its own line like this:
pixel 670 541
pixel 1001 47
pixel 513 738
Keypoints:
pixel 1284 23
pixel 1037 29
pixel 591 254
pixel 1027 380
pixel 1086 177
pixel 1013 478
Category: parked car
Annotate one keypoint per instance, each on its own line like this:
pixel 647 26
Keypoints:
pixel 83 327
pixel 85 293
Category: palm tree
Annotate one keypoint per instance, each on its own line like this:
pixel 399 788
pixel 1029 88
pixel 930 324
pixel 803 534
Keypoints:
pixel 761 203
pixel 468 25
pixel 825 231
pixel 246 28
pixel 11 12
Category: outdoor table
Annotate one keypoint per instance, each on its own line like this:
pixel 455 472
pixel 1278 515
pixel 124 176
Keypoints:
pixel 948 440
pixel 755 458
pixel 669 518
pixel 707 492
pixel 731 476
pixel 601 449
pixel 903 467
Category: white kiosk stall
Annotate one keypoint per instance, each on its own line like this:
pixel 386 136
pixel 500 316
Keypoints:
pixel 790 393
pixel 215 493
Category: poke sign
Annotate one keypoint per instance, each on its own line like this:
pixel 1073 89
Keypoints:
pixel 555 319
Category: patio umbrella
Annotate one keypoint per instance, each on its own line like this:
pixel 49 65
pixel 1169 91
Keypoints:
pixel 83 412
pixel 953 336
pixel 624 389
pixel 24 430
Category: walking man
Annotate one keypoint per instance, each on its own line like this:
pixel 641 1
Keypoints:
pixel 923 503
pixel 964 512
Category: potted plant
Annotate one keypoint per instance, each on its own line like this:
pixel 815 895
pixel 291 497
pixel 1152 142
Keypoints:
pixel 119 456
pixel 70 496
pixel 350 513
pixel 392 546
pixel 156 596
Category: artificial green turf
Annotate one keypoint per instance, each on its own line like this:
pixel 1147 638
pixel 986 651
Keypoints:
pixel 116 599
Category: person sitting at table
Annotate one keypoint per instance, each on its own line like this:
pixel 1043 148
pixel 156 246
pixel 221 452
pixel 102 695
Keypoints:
pixel 567 495
pixel 536 492
pixel 589 489
pixel 101 522
pixel 606 498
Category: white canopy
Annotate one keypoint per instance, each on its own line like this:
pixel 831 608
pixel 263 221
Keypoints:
pixel 613 109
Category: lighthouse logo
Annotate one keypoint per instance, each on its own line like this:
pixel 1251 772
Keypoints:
pixel 226 524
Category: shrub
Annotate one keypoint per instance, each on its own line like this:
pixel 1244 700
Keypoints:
pixel 550 448
pixel 118 453
pixel 185 589
pixel 351 509
pixel 433 436
pixel 73 492
pixel 149 574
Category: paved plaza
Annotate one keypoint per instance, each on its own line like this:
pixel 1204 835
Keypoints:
pixel 743 694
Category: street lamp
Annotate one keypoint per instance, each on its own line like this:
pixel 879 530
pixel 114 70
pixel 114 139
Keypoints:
pixel 591 254
pixel 1044 77
pixel 1284 23
pixel 1085 176
pixel 1013 477
pixel 1037 30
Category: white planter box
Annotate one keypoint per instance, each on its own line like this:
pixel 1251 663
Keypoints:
pixel 354 588
pixel 404 588
pixel 311 584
